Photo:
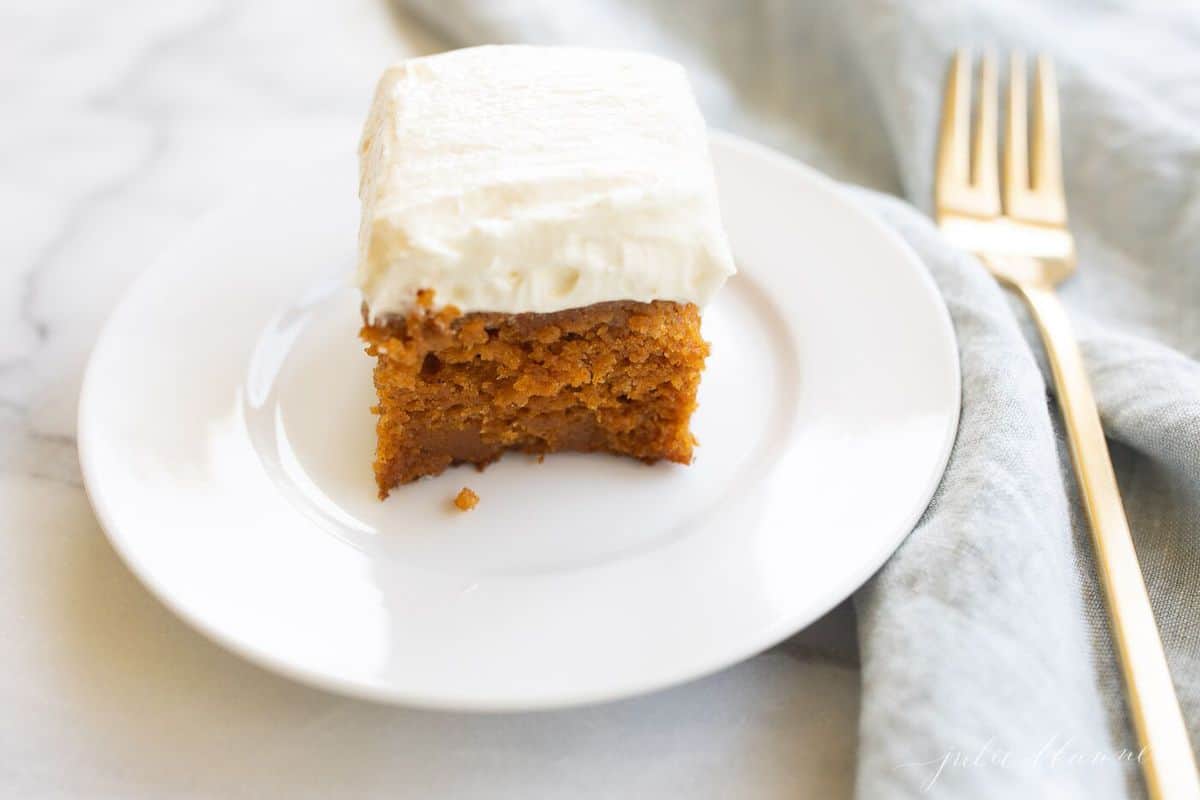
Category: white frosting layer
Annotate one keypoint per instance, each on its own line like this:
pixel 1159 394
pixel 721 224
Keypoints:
pixel 519 178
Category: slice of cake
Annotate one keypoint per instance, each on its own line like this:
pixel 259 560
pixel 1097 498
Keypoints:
pixel 539 233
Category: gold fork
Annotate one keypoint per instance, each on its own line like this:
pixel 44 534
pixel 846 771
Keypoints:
pixel 1021 235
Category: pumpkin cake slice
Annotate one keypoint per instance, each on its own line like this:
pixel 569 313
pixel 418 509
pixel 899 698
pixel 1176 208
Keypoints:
pixel 539 233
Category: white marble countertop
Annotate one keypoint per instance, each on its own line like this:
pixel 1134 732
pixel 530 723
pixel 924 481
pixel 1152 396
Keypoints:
pixel 122 121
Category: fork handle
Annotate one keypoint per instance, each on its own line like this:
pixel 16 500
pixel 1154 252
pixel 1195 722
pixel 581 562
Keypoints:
pixel 1169 763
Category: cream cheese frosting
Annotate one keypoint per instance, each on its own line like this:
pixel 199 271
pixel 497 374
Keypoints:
pixel 518 178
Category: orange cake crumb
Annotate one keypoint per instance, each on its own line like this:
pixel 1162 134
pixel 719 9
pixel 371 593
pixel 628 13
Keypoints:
pixel 466 499
pixel 619 377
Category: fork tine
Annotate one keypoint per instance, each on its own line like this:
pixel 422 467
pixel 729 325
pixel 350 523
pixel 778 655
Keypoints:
pixel 1016 145
pixel 984 156
pixel 956 191
pixel 953 168
pixel 1046 175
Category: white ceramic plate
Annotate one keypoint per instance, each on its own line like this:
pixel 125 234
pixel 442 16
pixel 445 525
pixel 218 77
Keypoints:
pixel 226 446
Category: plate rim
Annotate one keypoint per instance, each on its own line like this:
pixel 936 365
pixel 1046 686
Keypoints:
pixel 785 626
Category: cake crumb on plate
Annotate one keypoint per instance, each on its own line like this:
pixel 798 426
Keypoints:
pixel 466 499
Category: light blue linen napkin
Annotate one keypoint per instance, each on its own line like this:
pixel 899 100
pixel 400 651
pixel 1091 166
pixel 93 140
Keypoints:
pixel 986 665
